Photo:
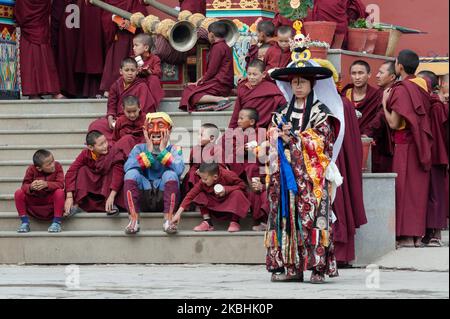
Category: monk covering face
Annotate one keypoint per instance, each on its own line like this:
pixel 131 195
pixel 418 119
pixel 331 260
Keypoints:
pixel 157 128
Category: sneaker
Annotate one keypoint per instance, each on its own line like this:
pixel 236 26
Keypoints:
pixel 133 227
pixel 204 226
pixel 24 228
pixel 260 227
pixel 170 228
pixel 55 228
pixel 234 227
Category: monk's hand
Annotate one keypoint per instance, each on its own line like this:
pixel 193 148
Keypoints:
pixel 110 202
pixel 222 194
pixel 111 122
pixel 176 218
pixel 41 185
pixel 256 185
pixel 68 204
pixel 33 185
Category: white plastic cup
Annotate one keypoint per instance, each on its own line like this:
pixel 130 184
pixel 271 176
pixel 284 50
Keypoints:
pixel 219 189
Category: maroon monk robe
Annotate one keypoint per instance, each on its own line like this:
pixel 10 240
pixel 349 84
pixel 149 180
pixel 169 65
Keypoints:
pixel 276 57
pixel 92 180
pixel 118 43
pixel 199 154
pixel 66 53
pixel 438 196
pixel 218 79
pixel 151 71
pixel 349 202
pixel 265 98
pixel 91 51
pixel 412 156
pixel 38 71
pixel 279 20
pixel 235 201
pixel 127 134
pixel 356 10
pixel 253 53
pixel 195 6
pixel 332 11
pixel 117 93
pixel 40 203
pixel 368 107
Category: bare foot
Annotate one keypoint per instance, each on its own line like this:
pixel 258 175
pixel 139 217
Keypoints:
pixel 59 96
pixel 405 242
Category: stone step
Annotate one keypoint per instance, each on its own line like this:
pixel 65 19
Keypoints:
pixel 114 247
pixel 61 152
pixel 100 222
pixel 81 121
pixel 69 105
pixel 16 169
pixel 187 136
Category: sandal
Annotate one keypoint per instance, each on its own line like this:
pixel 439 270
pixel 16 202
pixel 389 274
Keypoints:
pixel 114 212
pixel 170 228
pixel 55 228
pixel 74 211
pixel 223 105
pixel 205 107
pixel 133 227
pixel 282 277
pixel 317 278
pixel 434 242
pixel 24 228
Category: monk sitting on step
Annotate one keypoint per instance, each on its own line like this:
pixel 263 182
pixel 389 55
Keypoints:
pixel 220 193
pixel 213 89
pixel 42 192
pixel 94 180
pixel 149 65
pixel 127 84
pixel 205 151
pixel 128 130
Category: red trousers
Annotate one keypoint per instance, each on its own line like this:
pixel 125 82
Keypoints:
pixel 44 208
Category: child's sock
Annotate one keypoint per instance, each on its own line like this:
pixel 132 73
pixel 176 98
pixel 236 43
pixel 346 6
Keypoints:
pixel 57 220
pixel 25 219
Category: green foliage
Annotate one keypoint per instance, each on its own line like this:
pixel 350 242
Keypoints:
pixel 359 24
pixel 295 14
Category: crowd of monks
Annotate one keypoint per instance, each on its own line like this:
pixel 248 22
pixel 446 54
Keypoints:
pixel 406 116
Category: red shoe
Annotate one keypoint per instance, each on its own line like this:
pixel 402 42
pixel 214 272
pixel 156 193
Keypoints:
pixel 204 226
pixel 234 227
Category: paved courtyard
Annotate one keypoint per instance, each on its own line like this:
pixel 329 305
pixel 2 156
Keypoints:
pixel 210 281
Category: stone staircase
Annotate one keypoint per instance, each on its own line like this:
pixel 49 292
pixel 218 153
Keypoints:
pixel 61 126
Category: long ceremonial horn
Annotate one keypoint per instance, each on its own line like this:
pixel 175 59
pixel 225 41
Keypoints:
pixel 107 7
pixel 162 7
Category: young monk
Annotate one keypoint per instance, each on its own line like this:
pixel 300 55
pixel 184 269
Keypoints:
pixel 266 36
pixel 38 71
pixel 127 84
pixel 220 193
pixel 201 153
pixel 128 129
pixel 406 107
pixel 258 93
pixel 150 66
pixel 118 40
pixel 94 180
pixel 279 55
pixel 215 86
pixel 247 166
pixel 42 192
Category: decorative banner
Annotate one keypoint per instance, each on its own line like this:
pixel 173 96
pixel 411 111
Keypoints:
pixel 9 52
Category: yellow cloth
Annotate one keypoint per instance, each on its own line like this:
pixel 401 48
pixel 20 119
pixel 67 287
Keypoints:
pixel 163 115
